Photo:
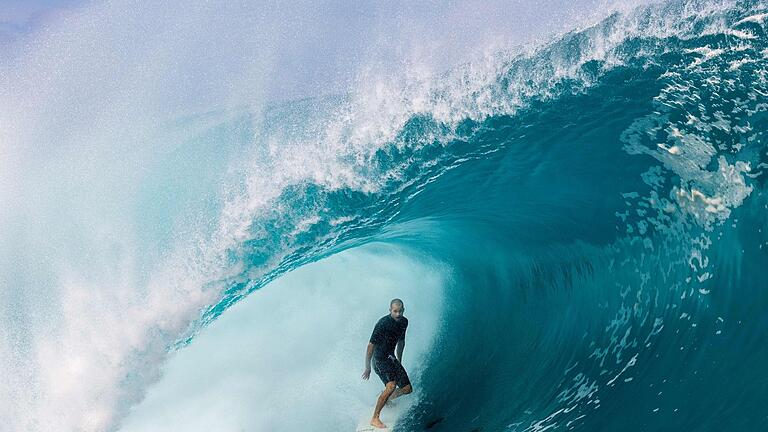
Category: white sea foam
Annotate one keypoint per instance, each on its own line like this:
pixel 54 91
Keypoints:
pixel 299 340
pixel 756 18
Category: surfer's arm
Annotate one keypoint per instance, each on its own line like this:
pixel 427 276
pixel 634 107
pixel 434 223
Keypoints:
pixel 368 356
pixel 377 338
pixel 400 347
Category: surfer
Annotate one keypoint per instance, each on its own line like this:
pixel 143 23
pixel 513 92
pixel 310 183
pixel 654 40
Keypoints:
pixel 388 334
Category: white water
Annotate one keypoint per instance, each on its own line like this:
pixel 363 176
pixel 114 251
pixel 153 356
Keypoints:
pixel 290 356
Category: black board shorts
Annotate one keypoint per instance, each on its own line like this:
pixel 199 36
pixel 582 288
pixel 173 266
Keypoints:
pixel 389 369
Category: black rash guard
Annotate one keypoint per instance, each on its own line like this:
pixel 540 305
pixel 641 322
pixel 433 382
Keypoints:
pixel 385 335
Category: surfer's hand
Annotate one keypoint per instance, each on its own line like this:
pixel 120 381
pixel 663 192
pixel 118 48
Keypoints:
pixel 366 373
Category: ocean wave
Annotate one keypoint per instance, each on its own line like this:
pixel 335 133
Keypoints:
pixel 597 199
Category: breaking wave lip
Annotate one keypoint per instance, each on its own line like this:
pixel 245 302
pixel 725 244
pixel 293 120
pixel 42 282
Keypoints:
pixel 368 141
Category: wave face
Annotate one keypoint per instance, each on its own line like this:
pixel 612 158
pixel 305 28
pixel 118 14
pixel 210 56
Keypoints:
pixel 610 244
pixel 599 202
pixel 610 240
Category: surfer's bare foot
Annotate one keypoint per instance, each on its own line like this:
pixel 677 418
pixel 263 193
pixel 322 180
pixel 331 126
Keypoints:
pixel 377 423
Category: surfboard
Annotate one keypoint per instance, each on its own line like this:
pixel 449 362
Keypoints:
pixel 388 416
pixel 366 427
pixel 370 428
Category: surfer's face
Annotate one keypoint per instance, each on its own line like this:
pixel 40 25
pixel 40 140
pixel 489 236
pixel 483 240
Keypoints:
pixel 396 311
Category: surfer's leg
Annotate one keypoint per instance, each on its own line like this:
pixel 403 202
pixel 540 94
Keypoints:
pixel 401 391
pixel 389 401
pixel 388 389
pixel 403 382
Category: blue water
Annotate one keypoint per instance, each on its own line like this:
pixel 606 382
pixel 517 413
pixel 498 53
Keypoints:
pixel 596 206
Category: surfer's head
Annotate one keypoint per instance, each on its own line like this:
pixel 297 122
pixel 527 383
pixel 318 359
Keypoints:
pixel 396 308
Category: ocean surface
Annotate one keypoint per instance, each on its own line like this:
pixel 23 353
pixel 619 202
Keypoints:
pixel 578 228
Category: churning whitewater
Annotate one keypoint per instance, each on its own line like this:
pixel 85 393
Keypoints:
pixel 575 220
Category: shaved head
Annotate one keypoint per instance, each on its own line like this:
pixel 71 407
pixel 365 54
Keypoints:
pixel 396 309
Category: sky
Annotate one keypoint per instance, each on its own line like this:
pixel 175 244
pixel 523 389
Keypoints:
pixel 348 26
pixel 21 16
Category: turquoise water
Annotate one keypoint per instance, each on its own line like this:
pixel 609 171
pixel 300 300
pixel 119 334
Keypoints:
pixel 607 236
pixel 596 205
